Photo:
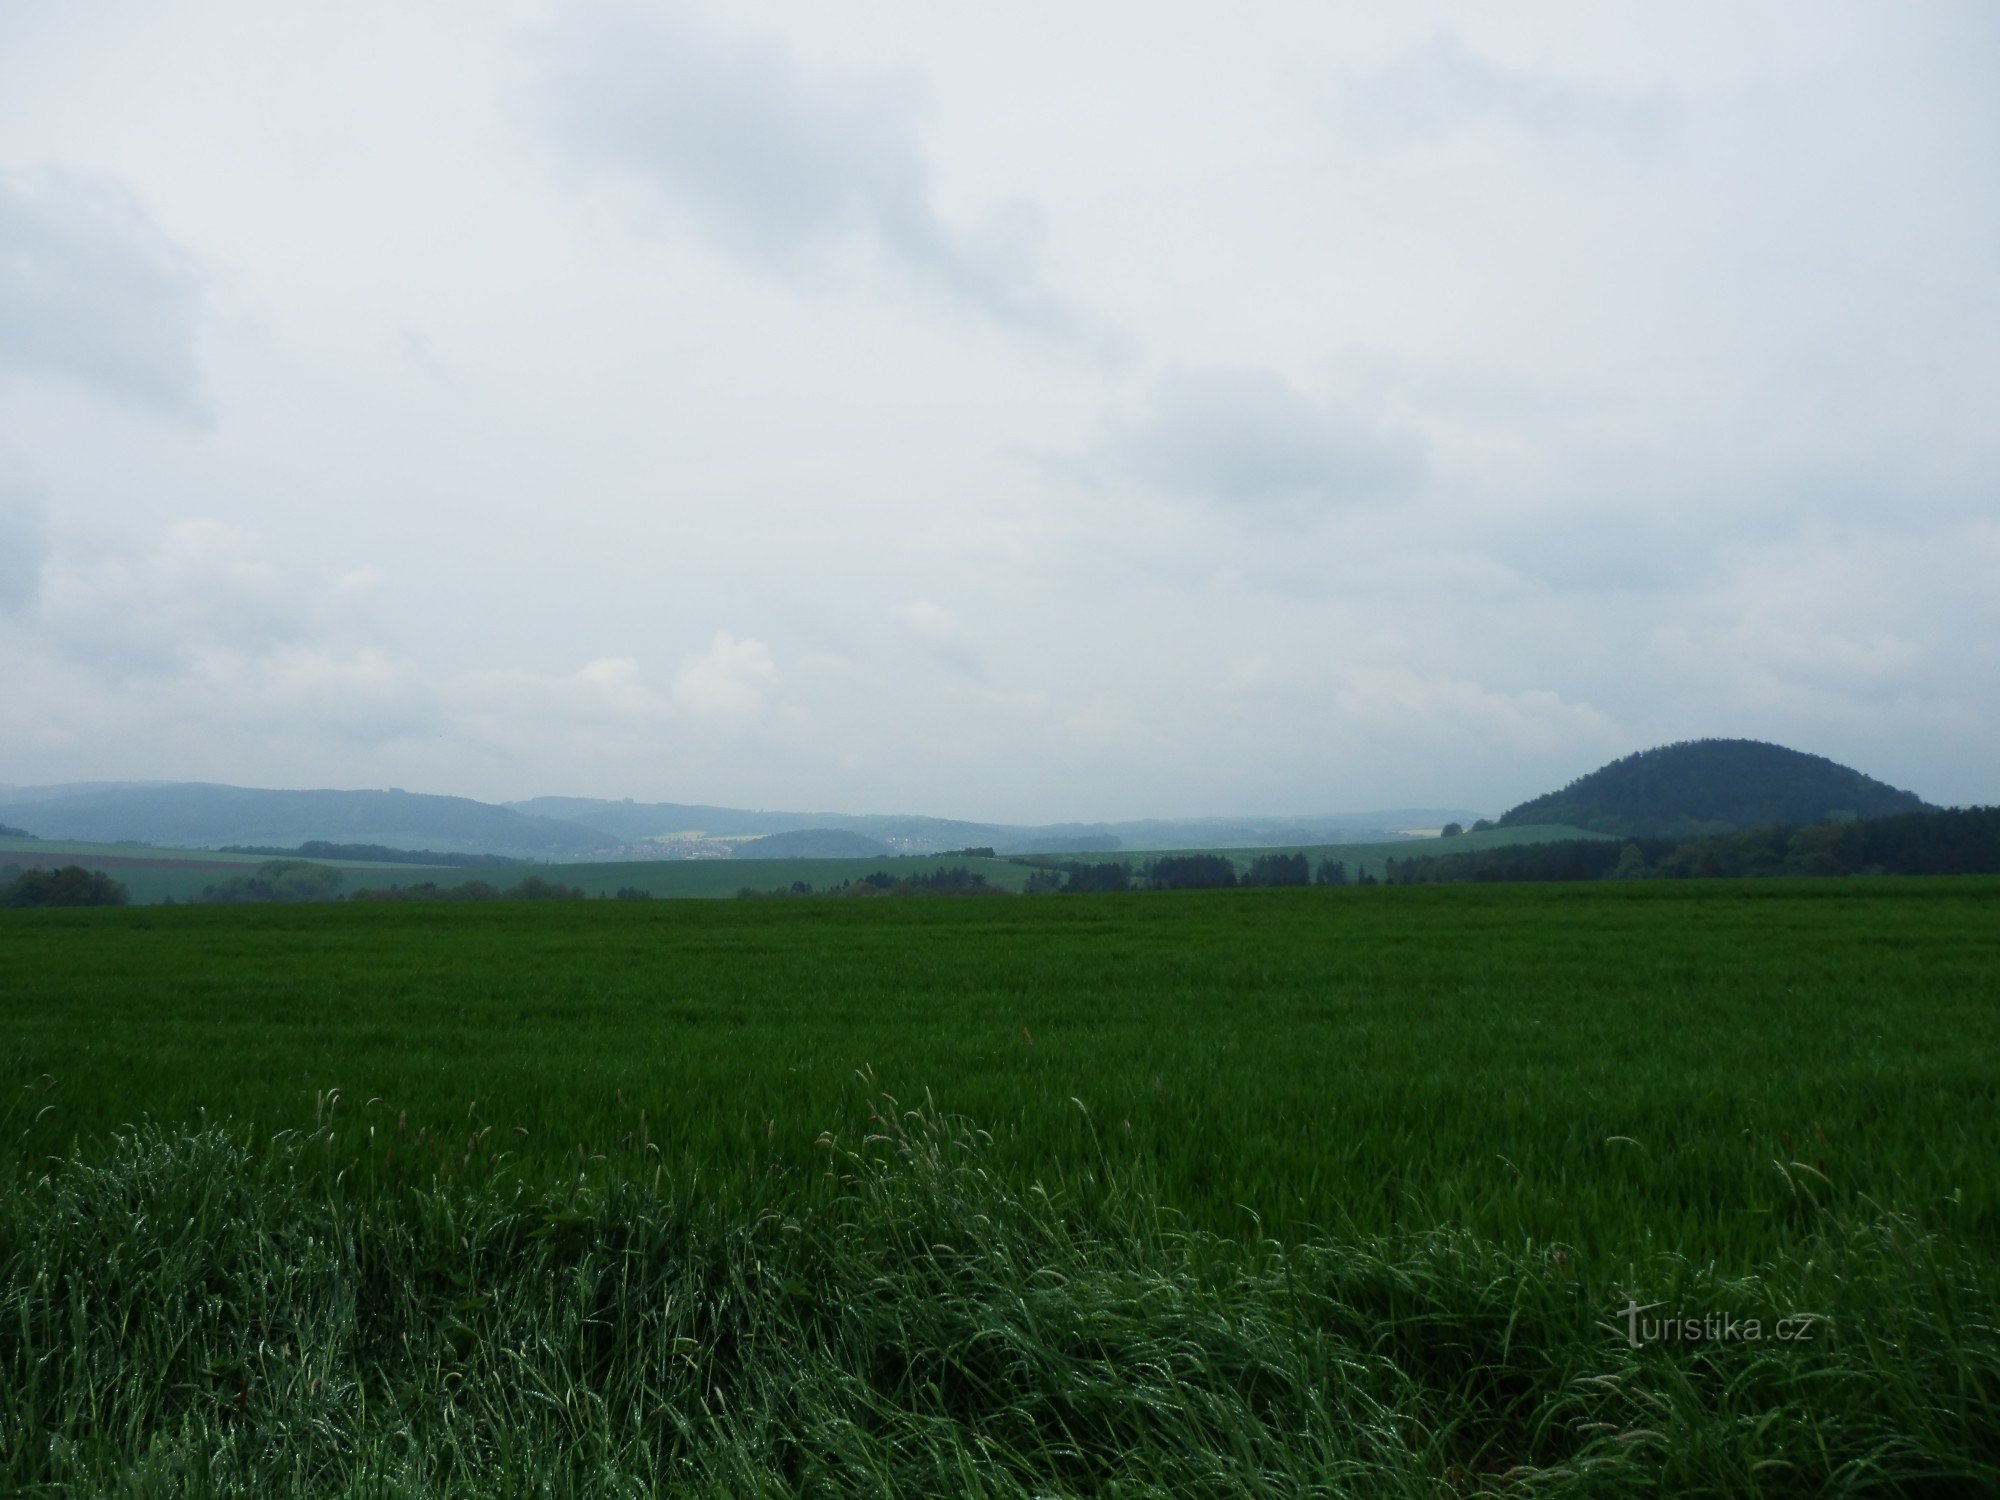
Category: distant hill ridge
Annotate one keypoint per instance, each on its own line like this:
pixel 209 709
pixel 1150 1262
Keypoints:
pixel 202 814
pixel 210 815
pixel 1698 787
pixel 636 822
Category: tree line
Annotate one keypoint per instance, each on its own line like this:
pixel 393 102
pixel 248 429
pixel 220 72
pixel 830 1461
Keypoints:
pixel 955 881
pixel 322 849
pixel 1185 872
pixel 529 888
pixel 1957 841
pixel 285 880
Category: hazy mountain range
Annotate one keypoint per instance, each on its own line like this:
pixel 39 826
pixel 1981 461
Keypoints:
pixel 206 815
pixel 1690 788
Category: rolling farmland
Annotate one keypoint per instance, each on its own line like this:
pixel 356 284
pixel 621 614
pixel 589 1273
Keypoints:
pixel 153 874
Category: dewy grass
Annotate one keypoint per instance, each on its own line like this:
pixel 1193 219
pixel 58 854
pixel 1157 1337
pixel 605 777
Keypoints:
pixel 194 1312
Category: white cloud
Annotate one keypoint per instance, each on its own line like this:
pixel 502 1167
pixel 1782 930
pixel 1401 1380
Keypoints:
pixel 728 685
pixel 1444 85
pixel 618 681
pixel 1852 623
pixel 203 588
pixel 207 620
pixel 1410 705
pixel 363 695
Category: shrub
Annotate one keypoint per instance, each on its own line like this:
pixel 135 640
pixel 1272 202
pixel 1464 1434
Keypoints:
pixel 279 880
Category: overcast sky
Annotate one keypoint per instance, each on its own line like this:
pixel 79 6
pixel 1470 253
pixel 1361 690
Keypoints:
pixel 1018 412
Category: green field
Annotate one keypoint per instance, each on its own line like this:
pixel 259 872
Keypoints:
pixel 1372 859
pixel 726 877
pixel 1408 1148
pixel 155 874
pixel 1385 1058
pixel 668 878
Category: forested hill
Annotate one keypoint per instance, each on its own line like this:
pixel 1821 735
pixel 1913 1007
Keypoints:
pixel 1714 786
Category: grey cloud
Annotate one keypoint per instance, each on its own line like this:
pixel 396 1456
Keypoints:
pixel 1445 85
pixel 1238 435
pixel 92 290
pixel 23 549
pixel 938 632
pixel 1634 548
pixel 778 159
pixel 1655 523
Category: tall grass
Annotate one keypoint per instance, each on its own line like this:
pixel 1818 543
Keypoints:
pixel 193 1312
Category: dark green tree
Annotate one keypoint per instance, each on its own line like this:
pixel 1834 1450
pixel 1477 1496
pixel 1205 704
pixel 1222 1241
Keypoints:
pixel 1278 869
pixel 71 885
pixel 1191 872
pixel 535 888
pixel 1108 876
